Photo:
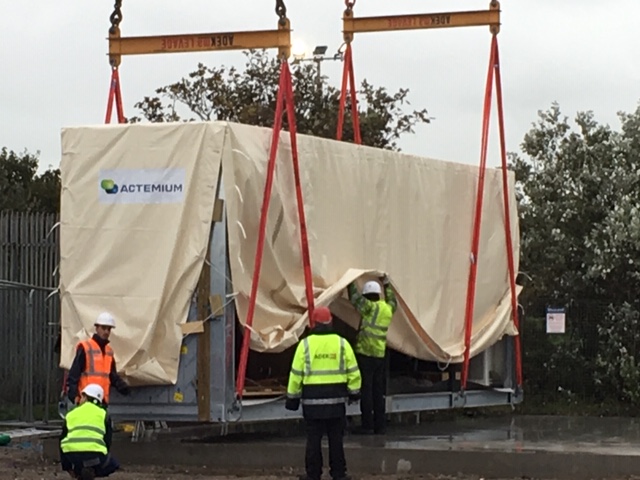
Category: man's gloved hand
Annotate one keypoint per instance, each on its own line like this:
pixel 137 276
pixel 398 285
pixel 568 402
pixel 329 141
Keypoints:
pixel 384 279
pixel 292 404
pixel 125 390
pixel 354 398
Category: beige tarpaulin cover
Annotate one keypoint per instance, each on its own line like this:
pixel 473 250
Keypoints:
pixel 368 211
pixel 129 195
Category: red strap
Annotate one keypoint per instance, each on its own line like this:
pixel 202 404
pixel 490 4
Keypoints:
pixel 285 98
pixel 348 76
pixel 471 286
pixel 115 94
pixel 494 67
pixel 304 240
pixel 507 218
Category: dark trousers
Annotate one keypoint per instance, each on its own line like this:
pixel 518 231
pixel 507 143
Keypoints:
pixel 334 429
pixel 374 389
pixel 103 465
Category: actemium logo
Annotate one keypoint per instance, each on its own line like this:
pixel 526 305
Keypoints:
pixel 109 186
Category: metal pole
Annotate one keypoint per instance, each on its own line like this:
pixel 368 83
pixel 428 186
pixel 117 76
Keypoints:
pixel 47 387
pixel 319 76
pixel 29 359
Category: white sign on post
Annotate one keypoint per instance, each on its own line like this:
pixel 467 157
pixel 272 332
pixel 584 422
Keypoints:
pixel 556 320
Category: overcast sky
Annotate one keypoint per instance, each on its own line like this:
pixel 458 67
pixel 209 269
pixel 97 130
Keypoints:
pixel 580 53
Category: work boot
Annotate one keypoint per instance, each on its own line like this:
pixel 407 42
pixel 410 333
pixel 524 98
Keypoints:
pixel 87 474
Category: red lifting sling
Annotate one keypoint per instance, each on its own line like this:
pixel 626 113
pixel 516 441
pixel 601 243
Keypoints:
pixel 285 99
pixel 494 68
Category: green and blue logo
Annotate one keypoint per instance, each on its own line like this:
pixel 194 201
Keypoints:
pixel 109 186
pixel 142 186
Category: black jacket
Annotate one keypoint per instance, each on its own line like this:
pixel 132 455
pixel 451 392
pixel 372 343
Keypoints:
pixel 78 366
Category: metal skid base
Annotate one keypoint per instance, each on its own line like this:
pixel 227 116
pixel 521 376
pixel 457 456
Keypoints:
pixel 205 387
pixel 257 410
pixel 273 409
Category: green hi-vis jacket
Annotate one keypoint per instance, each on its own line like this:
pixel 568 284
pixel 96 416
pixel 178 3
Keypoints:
pixel 376 318
pixel 86 427
pixel 324 374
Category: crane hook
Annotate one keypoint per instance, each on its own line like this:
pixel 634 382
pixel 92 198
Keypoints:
pixel 281 11
pixel 116 16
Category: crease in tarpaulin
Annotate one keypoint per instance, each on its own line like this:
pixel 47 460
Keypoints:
pixel 238 222
pixel 239 193
pixel 244 236
pixel 334 297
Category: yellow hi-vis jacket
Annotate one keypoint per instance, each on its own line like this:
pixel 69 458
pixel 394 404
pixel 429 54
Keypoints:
pixel 324 374
pixel 376 318
pixel 85 430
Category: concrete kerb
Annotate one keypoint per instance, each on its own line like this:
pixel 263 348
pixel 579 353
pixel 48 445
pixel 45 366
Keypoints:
pixel 288 457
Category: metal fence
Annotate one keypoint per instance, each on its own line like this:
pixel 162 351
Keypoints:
pixel 592 364
pixel 29 310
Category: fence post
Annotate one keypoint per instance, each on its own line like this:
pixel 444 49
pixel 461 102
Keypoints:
pixel 47 386
pixel 29 359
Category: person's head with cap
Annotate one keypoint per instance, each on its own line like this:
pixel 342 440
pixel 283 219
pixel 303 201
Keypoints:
pixel 104 323
pixel 322 318
pixel 92 393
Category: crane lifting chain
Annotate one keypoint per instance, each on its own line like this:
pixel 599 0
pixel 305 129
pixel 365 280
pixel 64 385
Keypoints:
pixel 281 11
pixel 116 17
pixel 349 4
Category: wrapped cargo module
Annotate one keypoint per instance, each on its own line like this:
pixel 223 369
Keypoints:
pixel 137 204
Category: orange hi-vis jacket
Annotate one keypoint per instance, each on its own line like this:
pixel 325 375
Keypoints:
pixel 97 367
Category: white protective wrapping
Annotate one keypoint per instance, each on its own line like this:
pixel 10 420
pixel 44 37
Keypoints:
pixel 368 211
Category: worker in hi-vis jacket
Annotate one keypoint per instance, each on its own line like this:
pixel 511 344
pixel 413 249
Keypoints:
pixel 85 440
pixel 371 345
pixel 94 362
pixel 324 377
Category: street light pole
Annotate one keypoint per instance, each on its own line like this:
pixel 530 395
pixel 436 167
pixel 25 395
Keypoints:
pixel 318 58
pixel 319 73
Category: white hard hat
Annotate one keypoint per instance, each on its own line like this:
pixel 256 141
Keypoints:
pixel 94 391
pixel 371 287
pixel 106 320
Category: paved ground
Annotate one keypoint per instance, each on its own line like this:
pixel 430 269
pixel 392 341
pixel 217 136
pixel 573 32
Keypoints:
pixel 18 464
pixel 491 448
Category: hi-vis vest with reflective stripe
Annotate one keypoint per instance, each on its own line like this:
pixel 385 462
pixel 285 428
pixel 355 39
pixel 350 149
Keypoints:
pixel 85 430
pixel 324 360
pixel 97 367
pixel 372 336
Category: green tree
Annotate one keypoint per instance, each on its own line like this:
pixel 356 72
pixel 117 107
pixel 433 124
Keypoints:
pixel 579 194
pixel 22 189
pixel 45 191
pixel 579 201
pixel 249 97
